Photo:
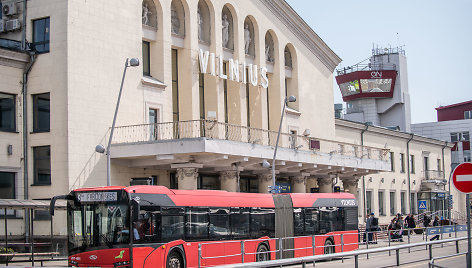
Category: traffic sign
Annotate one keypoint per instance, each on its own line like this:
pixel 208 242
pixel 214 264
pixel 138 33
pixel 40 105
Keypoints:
pixel 462 177
pixel 422 204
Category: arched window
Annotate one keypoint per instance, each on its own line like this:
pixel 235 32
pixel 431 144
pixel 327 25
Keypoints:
pixel 288 57
pixel 204 26
pixel 149 14
pixel 269 48
pixel 177 18
pixel 227 28
pixel 249 38
pixel 291 74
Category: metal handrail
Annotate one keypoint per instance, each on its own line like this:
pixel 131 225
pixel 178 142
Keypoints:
pixel 432 265
pixel 311 259
pixel 367 235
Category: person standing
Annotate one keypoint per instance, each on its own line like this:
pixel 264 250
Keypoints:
pixel 435 223
pixel 369 227
pixel 374 227
pixel 368 224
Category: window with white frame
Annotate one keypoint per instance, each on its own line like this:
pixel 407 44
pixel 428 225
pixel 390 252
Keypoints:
pixel 381 203
pixel 460 136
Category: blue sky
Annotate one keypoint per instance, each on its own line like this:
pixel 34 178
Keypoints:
pixel 437 38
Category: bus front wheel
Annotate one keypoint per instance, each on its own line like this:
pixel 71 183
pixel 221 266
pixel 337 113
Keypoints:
pixel 262 253
pixel 174 260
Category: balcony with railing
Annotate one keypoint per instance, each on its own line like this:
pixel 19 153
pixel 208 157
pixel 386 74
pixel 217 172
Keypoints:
pixel 211 129
pixel 433 180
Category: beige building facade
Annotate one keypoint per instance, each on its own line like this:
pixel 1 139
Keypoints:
pixel 201 111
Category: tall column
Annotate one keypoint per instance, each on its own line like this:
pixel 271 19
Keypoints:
pixel 325 184
pixel 187 178
pixel 350 185
pixel 229 181
pixel 299 184
pixel 265 180
pixel 311 183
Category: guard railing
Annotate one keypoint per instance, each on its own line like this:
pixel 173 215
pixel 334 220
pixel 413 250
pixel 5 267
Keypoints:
pixel 339 244
pixel 313 259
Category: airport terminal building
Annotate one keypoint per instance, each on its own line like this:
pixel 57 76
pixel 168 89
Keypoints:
pixel 201 111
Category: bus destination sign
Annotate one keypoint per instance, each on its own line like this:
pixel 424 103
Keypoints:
pixel 97 197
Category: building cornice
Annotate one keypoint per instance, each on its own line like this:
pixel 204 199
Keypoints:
pixel 285 13
pixel 13 59
pixel 391 133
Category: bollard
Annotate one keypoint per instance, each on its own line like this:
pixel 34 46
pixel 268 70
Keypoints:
pixel 367 244
pixel 430 251
pixel 397 252
pixel 426 230
pixel 313 244
pixel 409 239
pixel 388 234
pixel 242 251
pixel 356 261
pixel 457 247
pixel 442 244
pixel 199 255
pixel 342 247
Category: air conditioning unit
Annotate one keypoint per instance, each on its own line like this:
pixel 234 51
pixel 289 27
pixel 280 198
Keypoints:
pixel 2 26
pixel 9 9
pixel 12 25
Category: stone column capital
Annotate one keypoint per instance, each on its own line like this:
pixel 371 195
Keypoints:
pixel 228 175
pixel 187 172
pixel 298 180
pixel 265 177
pixel 324 181
pixel 350 182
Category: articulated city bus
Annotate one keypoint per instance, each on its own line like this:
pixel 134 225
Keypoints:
pixel 153 226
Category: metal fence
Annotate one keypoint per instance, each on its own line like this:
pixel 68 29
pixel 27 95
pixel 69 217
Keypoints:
pixel 367 239
pixel 223 131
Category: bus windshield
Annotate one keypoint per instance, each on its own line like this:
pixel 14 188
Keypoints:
pixel 97 225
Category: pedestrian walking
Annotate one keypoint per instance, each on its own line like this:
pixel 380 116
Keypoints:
pixel 435 223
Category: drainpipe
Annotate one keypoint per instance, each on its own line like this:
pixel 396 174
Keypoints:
pixel 23 34
pixel 26 72
pixel 449 183
pixel 363 177
pixel 408 169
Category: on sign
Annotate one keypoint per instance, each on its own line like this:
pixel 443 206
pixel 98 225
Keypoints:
pixel 462 177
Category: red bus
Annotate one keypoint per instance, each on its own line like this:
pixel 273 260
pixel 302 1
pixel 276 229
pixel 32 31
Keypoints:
pixel 153 226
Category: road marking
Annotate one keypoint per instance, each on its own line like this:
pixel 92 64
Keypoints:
pixel 464 178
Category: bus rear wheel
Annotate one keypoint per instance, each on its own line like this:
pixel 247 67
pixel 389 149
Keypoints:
pixel 262 253
pixel 329 247
pixel 174 260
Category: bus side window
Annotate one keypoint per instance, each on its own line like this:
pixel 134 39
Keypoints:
pixel 262 222
pixel 298 221
pixel 240 223
pixel 219 224
pixel 312 220
pixel 196 223
pixel 172 223
pixel 350 218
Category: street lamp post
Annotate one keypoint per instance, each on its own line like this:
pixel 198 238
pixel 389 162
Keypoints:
pixel 133 62
pixel 286 100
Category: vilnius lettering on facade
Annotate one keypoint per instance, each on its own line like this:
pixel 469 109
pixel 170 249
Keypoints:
pixel 235 70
